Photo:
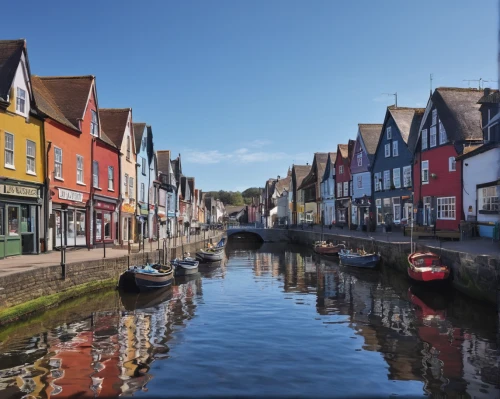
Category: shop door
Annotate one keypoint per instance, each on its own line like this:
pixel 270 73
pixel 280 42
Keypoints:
pixel 27 227
pixel 13 233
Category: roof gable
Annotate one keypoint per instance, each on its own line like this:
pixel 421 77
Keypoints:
pixel 368 136
pixel 114 122
pixel 139 129
pixel 11 52
pixel 330 163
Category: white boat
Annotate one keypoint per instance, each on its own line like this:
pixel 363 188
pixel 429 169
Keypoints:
pixel 185 266
pixel 212 254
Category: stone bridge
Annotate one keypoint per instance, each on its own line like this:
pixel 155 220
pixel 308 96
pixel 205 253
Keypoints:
pixel 267 235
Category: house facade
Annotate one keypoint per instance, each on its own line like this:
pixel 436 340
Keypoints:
pixel 311 187
pixel 328 190
pixel 392 166
pixel 343 182
pixel 117 124
pixel 362 210
pixel 22 165
pixel 481 171
pixel 167 205
pixel 299 172
pixel 450 125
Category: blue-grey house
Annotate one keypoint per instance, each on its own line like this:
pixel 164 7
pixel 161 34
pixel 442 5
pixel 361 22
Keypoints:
pixel 392 165
pixel 328 190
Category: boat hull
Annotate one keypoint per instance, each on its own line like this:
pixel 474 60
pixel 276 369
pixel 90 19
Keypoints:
pixel 362 261
pixel 185 271
pixel 134 280
pixel 205 256
pixel 434 272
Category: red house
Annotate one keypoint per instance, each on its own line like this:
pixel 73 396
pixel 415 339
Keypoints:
pixel 451 125
pixel 343 182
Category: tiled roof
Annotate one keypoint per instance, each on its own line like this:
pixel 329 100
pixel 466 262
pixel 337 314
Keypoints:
pixel 46 103
pixel 10 56
pixel 104 137
pixel 344 150
pixel 301 171
pixel 114 122
pixel 490 96
pixel 320 158
pixel 404 119
pixel 283 184
pixel 370 134
pixel 138 132
pixel 472 150
pixel 163 159
pixel 458 109
pixel 70 93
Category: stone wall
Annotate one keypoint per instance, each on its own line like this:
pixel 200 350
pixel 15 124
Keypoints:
pixel 474 275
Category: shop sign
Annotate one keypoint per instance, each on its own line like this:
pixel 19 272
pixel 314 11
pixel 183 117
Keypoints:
pixel 127 208
pixel 70 195
pixel 20 191
pixel 104 205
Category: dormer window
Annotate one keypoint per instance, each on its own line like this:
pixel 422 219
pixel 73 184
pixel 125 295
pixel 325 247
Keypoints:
pixel 388 133
pixel 21 100
pixel 94 124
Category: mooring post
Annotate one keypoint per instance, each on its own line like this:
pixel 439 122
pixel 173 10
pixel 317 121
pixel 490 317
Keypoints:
pixel 63 261
pixel 104 247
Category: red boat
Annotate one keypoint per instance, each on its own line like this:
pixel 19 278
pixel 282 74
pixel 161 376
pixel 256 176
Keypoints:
pixel 323 248
pixel 426 267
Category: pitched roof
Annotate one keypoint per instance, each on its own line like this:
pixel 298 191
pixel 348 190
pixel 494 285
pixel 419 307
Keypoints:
pixel 473 150
pixel 163 159
pixel 404 119
pixel 107 140
pixel 138 132
pixel 235 209
pixel 301 171
pixel 320 158
pixel 414 129
pixel 10 56
pixel 283 184
pixel 344 150
pixel 46 103
pixel 490 96
pixel 114 122
pixel 70 93
pixel 331 156
pixel 370 134
pixel 458 110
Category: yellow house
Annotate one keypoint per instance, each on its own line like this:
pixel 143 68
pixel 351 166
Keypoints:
pixel 22 155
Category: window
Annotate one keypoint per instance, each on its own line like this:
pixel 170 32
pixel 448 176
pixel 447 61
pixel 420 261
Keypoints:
pixel 339 190
pixel 360 181
pixel 107 225
pixel 432 137
pixel 131 187
pixel 434 117
pixel 144 143
pixel 346 189
pixel 378 204
pixel 395 150
pixel 94 124
pixel 143 194
pixel 13 220
pixel 396 177
pixel 341 169
pixel 9 150
pixel 30 157
pixel 143 166
pixel 58 163
pixel 128 148
pixel 446 208
pixel 111 178
pixel 20 100
pixel 396 209
pixel 452 164
pixel 387 150
pixel 79 169
pixel 424 139
pixel 443 138
pixel 125 182
pixel 387 179
pixel 407 176
pixel 378 183
pixel 95 173
pixel 1 222
pixel 388 132
pixel 360 159
pixel 425 171
pixel 489 198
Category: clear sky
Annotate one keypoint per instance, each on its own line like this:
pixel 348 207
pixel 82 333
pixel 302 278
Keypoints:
pixel 242 89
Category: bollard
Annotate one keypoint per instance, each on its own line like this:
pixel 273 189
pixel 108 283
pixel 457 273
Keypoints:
pixel 63 261
pixel 104 247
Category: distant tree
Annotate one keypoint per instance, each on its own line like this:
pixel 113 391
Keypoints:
pixel 236 198
pixel 251 192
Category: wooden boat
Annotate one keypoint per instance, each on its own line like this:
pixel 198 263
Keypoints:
pixel 185 266
pixel 427 267
pixel 212 254
pixel 359 259
pixel 324 248
pixel 148 277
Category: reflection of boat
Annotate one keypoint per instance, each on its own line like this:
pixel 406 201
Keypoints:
pixel 211 254
pixel 182 279
pixel 358 259
pixel 425 311
pixel 146 277
pixel 324 248
pixel 145 300
pixel 426 267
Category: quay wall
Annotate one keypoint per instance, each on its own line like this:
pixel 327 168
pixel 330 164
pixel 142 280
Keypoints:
pixel 32 290
pixel 474 275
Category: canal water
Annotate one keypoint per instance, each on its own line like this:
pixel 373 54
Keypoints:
pixel 271 320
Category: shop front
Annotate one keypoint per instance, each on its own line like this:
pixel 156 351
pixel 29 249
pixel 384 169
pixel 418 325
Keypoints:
pixel 127 223
pixel 143 220
pixel 105 220
pixel 20 210
pixel 342 206
pixel 69 218
pixel 361 212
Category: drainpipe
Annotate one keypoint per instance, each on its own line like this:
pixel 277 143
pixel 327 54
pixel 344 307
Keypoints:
pixel 46 193
pixel 120 199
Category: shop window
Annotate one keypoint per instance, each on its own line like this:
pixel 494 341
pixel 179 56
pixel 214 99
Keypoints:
pixel 80 228
pixel 1 222
pixel 30 157
pixel 378 205
pixel 98 226
pixel 9 150
pixel 26 226
pixel 107 225
pixel 397 209
pixel 13 220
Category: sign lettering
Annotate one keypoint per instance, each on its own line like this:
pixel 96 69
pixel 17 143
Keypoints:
pixel 70 195
pixel 20 191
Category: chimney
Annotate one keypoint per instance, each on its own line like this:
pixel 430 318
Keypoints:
pixel 487 91
pixel 278 177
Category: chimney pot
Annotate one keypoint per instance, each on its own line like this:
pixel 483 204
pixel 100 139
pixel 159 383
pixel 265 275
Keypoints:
pixel 487 91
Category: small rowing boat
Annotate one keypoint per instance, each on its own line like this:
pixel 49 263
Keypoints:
pixel 324 248
pixel 427 267
pixel 185 266
pixel 359 259
pixel 212 254
pixel 148 277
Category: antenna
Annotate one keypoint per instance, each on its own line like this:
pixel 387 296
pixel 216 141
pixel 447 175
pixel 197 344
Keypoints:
pixel 490 81
pixel 395 96
pixel 431 76
pixel 474 80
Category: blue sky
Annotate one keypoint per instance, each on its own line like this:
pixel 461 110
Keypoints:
pixel 244 88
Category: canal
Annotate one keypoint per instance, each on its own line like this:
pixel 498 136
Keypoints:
pixel 271 321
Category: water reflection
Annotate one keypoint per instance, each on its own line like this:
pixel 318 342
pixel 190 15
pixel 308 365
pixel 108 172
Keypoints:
pixel 113 344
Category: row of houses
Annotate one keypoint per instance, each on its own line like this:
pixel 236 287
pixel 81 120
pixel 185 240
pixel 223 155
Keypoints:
pixel 75 174
pixel 438 165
